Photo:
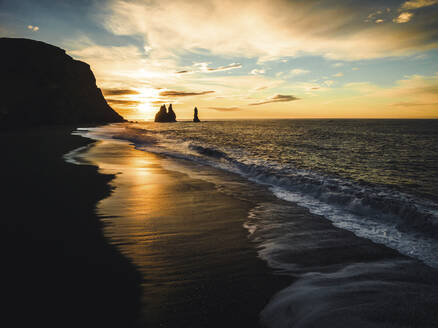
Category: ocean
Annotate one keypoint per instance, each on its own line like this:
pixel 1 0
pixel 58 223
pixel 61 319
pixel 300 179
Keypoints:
pixel 374 179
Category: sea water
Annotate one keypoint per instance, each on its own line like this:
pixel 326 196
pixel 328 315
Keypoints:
pixel 375 178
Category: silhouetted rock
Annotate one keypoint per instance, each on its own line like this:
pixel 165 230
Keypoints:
pixel 42 85
pixel 165 116
pixel 161 115
pixel 171 114
pixel 195 117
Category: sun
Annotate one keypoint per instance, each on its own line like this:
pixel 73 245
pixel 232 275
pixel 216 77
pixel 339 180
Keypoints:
pixel 145 99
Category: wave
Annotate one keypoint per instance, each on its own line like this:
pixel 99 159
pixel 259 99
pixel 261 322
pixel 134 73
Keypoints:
pixel 401 221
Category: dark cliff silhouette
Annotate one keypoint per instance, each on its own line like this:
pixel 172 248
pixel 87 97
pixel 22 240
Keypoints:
pixel 164 115
pixel 195 116
pixel 42 85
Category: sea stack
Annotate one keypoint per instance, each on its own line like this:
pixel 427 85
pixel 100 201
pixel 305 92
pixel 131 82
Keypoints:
pixel 44 86
pixel 164 115
pixel 171 114
pixel 195 117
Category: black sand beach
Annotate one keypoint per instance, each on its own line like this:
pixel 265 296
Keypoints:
pixel 187 239
pixel 187 260
pixel 57 268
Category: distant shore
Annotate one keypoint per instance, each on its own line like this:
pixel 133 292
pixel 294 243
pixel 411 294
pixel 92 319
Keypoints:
pixel 58 269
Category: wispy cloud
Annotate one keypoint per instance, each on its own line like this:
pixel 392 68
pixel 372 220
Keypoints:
pixel 224 68
pixel 33 28
pixel 276 98
pixel 403 18
pixel 184 72
pixel 268 23
pixel 203 68
pixel 256 71
pixel 123 102
pixel 172 93
pixel 225 109
pixel 119 92
pixel 299 71
pixel 340 74
pixel 415 4
pixel 414 104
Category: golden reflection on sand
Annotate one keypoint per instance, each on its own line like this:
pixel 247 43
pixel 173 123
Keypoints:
pixel 186 237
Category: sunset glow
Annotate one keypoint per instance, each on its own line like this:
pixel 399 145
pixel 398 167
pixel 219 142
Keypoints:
pixel 241 59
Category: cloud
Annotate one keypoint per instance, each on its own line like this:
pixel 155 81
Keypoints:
pixel 267 23
pixel 257 71
pixel 329 83
pixel 33 28
pixel 224 68
pixel 338 64
pixel 172 93
pixel 415 4
pixel 355 69
pixel 184 72
pixel 123 102
pixel 276 98
pixel 203 67
pixel 299 71
pixel 413 104
pixel 225 109
pixel 338 74
pixel 403 18
pixel 119 92
pixel 415 90
pixel 379 21
pixel 123 65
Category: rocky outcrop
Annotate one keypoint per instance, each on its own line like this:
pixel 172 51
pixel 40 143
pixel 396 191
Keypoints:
pixel 195 116
pixel 171 114
pixel 42 85
pixel 164 115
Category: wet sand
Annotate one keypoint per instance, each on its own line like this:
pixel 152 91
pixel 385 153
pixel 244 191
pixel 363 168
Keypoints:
pixel 187 239
pixel 57 268
pixel 166 247
pixel 182 225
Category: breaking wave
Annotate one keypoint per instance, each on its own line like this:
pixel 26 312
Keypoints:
pixel 404 222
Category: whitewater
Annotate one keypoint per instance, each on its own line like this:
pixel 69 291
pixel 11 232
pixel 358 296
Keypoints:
pixel 376 178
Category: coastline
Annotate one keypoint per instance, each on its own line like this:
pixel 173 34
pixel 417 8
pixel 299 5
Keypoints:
pixel 186 237
pixel 182 224
pixel 191 262
pixel 58 268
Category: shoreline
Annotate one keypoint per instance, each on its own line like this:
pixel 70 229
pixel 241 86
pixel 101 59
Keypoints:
pixel 188 240
pixel 59 268
pixel 188 249
pixel 330 274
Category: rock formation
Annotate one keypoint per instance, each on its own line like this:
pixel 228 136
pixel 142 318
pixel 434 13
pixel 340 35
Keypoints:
pixel 165 116
pixel 42 85
pixel 195 117
pixel 171 114
pixel 161 115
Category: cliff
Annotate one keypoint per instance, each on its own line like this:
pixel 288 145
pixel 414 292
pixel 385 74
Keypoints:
pixel 164 115
pixel 41 85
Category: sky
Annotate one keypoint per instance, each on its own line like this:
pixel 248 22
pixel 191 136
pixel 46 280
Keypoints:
pixel 247 59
